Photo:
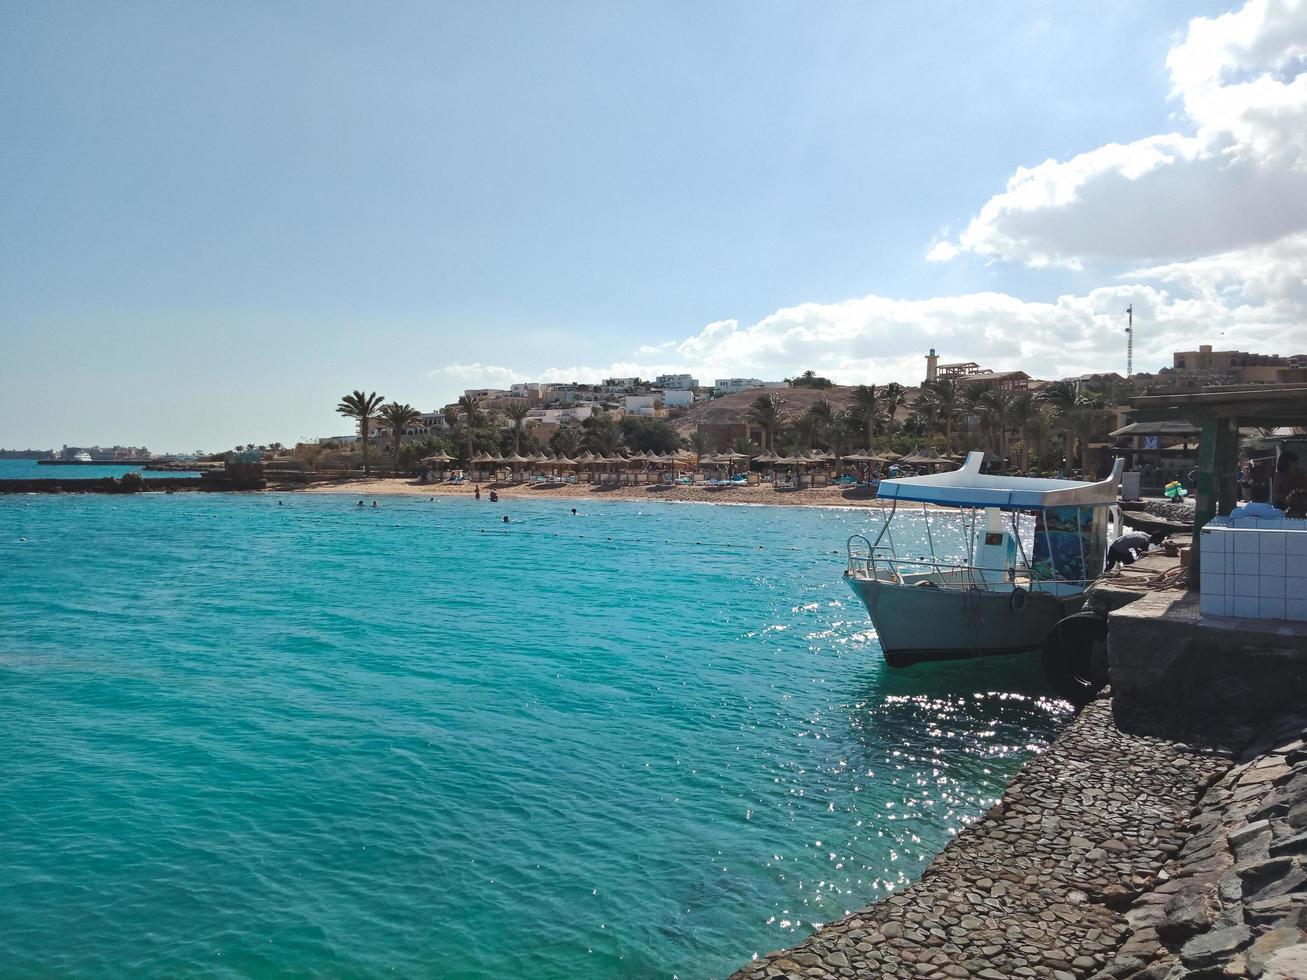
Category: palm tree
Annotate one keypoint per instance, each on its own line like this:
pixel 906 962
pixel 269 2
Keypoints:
pixel 767 413
pixel 363 409
pixel 518 411
pixel 1073 411
pixel 602 436
pixel 1023 413
pixel 995 406
pixel 700 443
pixel 868 404
pixel 943 400
pixel 470 408
pixel 567 440
pixel 399 417
pixel 820 418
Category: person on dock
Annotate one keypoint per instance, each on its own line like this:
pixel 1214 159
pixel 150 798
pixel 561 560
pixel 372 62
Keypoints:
pixel 1289 476
pixel 1296 505
pixel 1131 546
pixel 1260 505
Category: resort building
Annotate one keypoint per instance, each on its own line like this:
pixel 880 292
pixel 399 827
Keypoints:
pixel 676 382
pixel 1207 366
pixel 729 386
pixel 649 405
pixel 969 372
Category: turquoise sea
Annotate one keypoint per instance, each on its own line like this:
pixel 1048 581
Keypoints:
pixel 274 735
pixel 30 469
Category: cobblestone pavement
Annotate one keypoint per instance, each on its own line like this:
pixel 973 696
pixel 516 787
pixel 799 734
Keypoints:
pixel 1039 886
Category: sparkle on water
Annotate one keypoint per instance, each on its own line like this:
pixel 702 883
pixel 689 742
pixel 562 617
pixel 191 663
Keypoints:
pixel 271 734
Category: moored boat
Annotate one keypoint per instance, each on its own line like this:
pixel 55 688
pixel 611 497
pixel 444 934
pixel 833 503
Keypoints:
pixel 1008 586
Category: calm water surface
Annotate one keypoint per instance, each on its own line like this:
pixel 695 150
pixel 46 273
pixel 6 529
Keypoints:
pixel 262 735
pixel 30 469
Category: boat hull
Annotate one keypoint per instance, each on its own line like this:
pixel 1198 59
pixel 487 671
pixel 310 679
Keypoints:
pixel 915 623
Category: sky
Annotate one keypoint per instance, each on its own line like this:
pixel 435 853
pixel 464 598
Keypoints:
pixel 215 219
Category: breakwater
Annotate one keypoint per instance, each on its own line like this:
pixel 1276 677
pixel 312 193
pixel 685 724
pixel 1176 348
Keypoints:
pixel 106 485
pixel 1116 853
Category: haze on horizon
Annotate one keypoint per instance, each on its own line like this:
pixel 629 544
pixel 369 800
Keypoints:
pixel 219 218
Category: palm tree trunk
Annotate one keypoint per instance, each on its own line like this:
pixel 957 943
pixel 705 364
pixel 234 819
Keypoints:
pixel 363 429
pixel 398 433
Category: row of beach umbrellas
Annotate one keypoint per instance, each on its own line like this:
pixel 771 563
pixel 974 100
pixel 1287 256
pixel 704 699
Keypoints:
pixel 928 457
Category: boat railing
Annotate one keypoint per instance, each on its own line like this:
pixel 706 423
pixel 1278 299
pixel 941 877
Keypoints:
pixel 879 562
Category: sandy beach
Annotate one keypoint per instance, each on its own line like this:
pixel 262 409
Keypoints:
pixel 764 494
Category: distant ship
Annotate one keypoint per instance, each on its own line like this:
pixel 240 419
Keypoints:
pixel 82 457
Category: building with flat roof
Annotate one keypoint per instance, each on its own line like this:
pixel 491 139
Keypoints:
pixel 1208 366
pixel 676 382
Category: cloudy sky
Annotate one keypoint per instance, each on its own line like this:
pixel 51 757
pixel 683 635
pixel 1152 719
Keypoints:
pixel 217 218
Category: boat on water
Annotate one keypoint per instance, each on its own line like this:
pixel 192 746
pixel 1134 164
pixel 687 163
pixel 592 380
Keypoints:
pixel 82 457
pixel 1028 550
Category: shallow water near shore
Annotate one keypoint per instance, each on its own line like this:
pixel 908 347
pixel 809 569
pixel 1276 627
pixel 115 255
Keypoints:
pixel 281 733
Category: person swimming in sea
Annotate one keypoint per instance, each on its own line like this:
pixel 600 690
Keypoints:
pixel 374 503
pixel 494 496
pixel 573 511
pixel 505 518
pixel 360 503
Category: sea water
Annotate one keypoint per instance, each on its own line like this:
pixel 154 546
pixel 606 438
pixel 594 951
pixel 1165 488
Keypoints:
pixel 285 734
pixel 30 469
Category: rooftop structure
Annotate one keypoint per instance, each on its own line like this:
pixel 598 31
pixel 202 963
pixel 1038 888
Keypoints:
pixel 1238 367
pixel 677 382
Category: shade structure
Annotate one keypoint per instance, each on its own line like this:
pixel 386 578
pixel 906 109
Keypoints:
pixel 515 458
pixel 440 457
pixel 768 457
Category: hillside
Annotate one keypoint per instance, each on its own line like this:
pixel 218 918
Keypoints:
pixel 731 409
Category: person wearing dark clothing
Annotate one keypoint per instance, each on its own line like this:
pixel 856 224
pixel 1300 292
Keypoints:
pixel 1130 547
pixel 1289 476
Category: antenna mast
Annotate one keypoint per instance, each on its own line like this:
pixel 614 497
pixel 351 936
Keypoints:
pixel 1130 341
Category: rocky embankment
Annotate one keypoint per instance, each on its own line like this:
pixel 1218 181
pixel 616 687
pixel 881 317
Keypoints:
pixel 1113 854
pixel 1234 901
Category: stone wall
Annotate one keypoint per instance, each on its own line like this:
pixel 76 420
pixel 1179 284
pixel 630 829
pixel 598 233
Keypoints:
pixel 1162 658
pixel 1039 887
pixel 1234 901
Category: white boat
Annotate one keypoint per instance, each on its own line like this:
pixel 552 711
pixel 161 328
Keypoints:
pixel 82 457
pixel 1005 588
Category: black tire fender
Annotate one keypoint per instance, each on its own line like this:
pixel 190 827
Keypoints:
pixel 1074 657
pixel 1017 600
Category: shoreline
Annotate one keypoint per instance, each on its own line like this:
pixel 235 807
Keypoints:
pixel 764 495
pixel 1133 848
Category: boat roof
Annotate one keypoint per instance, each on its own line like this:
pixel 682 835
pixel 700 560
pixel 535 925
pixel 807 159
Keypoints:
pixel 968 487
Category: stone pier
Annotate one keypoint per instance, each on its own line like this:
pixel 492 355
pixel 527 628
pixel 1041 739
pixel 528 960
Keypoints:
pixel 1063 877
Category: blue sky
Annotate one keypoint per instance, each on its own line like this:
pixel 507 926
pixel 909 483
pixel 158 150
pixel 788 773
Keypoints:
pixel 220 217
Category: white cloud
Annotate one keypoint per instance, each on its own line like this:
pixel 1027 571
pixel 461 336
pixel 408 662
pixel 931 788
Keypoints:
pixel 1214 220
pixel 1238 180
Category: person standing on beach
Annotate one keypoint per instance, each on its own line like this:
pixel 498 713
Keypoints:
pixel 477 492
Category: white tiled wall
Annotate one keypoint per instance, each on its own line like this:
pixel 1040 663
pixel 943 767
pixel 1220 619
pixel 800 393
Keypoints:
pixel 1253 568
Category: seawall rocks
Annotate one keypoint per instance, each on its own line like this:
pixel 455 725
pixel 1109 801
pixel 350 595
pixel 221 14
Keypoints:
pixel 1041 885
pixel 1233 902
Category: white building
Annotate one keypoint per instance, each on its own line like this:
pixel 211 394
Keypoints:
pixel 729 386
pixel 678 397
pixel 649 404
pixel 676 382
pixel 484 393
pixel 578 413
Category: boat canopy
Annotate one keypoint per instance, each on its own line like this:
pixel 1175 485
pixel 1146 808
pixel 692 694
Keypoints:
pixel 968 487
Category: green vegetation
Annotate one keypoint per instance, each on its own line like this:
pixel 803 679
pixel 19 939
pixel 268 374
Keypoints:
pixel 362 408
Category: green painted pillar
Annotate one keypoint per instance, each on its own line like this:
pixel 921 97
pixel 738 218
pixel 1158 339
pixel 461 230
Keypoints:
pixel 1226 479
pixel 1205 506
